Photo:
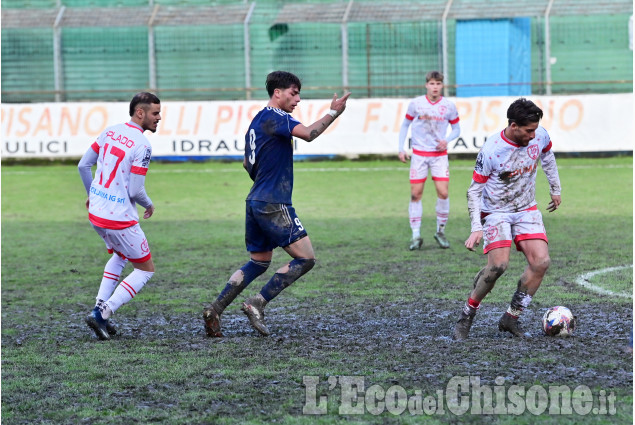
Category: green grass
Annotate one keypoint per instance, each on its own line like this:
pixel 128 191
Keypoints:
pixel 162 369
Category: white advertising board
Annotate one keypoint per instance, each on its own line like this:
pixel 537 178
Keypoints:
pixel 585 123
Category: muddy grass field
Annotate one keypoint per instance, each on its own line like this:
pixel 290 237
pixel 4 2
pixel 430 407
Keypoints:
pixel 363 338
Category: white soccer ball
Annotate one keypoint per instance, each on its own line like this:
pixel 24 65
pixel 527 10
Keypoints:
pixel 558 321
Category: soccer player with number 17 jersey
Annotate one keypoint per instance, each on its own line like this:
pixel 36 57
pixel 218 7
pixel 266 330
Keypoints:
pixel 270 218
pixel 122 154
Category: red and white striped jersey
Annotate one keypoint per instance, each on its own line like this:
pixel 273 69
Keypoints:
pixel 508 172
pixel 122 150
pixel 430 123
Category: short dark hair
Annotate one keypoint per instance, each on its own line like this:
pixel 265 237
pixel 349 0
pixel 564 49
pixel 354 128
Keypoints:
pixel 281 80
pixel 144 99
pixel 434 75
pixel 523 111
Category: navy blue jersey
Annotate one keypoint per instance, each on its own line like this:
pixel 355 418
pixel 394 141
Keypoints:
pixel 269 156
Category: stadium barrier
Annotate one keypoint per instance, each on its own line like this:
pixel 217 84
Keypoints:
pixel 216 129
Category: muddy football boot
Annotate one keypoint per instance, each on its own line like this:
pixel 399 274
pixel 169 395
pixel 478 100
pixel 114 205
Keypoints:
pixel 415 243
pixel 253 308
pixel 509 323
pixel 97 324
pixel 212 322
pixel 442 240
pixel 110 328
pixel 463 325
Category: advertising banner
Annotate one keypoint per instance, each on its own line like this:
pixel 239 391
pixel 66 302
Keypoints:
pixel 585 123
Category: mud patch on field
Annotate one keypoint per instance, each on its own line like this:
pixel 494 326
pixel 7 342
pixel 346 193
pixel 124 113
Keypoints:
pixel 405 344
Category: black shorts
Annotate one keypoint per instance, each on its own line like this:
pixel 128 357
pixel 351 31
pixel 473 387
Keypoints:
pixel 268 226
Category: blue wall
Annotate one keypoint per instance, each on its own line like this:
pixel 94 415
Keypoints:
pixel 493 52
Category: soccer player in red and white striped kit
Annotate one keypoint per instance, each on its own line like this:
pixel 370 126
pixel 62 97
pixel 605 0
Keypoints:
pixel 502 204
pixel 122 154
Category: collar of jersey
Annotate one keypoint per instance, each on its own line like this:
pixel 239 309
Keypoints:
pixel 434 103
pixel 134 125
pixel 514 144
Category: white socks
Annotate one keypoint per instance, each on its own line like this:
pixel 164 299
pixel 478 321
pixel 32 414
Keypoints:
pixel 127 289
pixel 109 281
pixel 443 211
pixel 414 211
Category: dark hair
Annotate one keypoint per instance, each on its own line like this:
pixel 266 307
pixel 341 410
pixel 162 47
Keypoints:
pixel 144 99
pixel 281 80
pixel 434 75
pixel 523 111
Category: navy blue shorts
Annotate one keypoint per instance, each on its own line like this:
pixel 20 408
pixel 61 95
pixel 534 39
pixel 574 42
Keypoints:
pixel 268 226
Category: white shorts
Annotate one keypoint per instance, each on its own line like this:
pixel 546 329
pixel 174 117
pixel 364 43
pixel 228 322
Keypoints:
pixel 438 165
pixel 499 229
pixel 130 243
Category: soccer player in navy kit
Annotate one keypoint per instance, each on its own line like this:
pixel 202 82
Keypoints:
pixel 271 220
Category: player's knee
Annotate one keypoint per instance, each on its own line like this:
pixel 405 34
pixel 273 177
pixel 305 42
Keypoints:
pixel 541 264
pixel 497 269
pixel 305 264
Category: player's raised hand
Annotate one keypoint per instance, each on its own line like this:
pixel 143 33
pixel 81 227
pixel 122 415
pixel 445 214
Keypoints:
pixel 339 104
pixel 442 145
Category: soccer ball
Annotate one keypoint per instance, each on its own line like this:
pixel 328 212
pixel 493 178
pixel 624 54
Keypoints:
pixel 558 321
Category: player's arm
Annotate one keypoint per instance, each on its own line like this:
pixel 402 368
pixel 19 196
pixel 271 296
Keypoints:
pixel 474 193
pixel 403 132
pixel 455 131
pixel 548 160
pixel 311 132
pixel 442 144
pixel 85 166
pixel 137 193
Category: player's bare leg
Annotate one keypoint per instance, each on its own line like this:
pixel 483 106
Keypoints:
pixel 443 211
pixel 257 265
pixel 497 261
pixel 303 261
pixel 415 211
pixel 537 254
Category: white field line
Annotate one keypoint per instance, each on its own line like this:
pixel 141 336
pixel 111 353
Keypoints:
pixel 583 280
pixel 300 169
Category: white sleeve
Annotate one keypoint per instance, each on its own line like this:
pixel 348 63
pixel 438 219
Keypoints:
pixel 137 190
pixel 548 160
pixel 456 131
pixel 474 193
pixel 84 166
pixel 403 133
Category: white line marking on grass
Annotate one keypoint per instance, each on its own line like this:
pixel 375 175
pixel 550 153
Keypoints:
pixel 583 280
pixel 405 168
pixel 300 169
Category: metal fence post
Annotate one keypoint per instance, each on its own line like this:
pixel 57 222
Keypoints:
pixel 444 29
pixel 152 55
pixel 247 51
pixel 548 49
pixel 58 65
pixel 344 29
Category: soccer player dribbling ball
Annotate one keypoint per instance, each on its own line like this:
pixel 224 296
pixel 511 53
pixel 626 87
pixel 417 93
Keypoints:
pixel 271 220
pixel 502 207
pixel 429 117
pixel 122 154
